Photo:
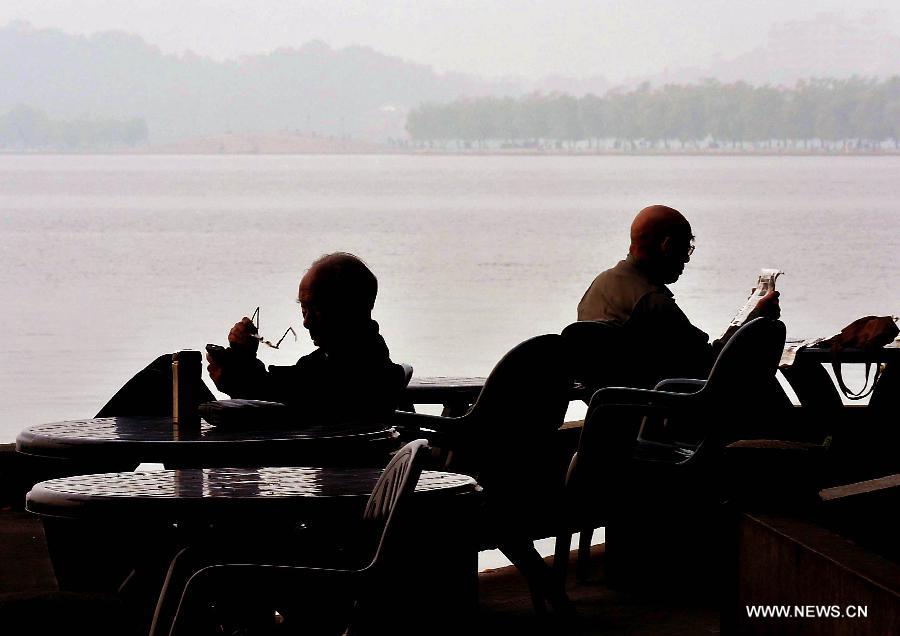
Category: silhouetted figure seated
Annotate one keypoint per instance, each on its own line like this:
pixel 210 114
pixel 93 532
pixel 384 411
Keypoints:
pixel 349 376
pixel 662 341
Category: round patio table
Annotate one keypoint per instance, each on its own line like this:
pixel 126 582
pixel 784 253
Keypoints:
pixel 456 394
pixel 223 493
pixel 804 370
pixel 102 525
pixel 121 443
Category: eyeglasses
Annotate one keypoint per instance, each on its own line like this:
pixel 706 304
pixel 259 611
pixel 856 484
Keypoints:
pixel 255 319
pixel 676 242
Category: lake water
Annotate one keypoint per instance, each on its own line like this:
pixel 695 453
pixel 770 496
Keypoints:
pixel 108 261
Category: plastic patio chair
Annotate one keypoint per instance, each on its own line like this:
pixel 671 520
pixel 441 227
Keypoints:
pixel 598 355
pixel 190 572
pixel 507 442
pixel 613 454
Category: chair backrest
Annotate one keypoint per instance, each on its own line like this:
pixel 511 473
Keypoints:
pixel 407 373
pixel 596 352
pixel 404 402
pixel 396 483
pixel 747 364
pixel 528 386
pixel 517 414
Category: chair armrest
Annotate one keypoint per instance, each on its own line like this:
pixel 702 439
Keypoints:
pixel 618 402
pixel 680 385
pixel 650 399
pixel 436 428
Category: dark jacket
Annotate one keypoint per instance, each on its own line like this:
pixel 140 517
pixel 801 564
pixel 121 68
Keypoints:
pixel 355 379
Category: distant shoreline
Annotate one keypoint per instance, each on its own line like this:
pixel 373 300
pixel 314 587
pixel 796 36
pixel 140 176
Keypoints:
pixel 656 152
pixel 302 143
pixel 468 153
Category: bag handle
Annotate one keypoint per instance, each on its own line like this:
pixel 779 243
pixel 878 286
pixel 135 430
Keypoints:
pixel 863 392
pixel 867 333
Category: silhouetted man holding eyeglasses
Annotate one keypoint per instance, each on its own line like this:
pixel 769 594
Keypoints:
pixel 350 372
pixel 348 377
pixel 634 294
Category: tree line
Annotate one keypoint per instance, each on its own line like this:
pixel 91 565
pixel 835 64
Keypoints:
pixel 857 113
pixel 27 128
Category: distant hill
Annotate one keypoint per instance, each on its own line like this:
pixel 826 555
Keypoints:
pixel 25 128
pixel 354 91
pixel 315 91
pixel 825 46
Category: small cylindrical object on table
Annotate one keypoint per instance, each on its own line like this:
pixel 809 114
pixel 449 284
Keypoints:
pixel 186 377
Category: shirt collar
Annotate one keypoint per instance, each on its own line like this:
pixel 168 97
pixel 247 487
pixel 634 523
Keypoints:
pixel 643 272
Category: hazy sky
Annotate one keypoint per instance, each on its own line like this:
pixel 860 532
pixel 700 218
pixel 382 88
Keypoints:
pixel 616 38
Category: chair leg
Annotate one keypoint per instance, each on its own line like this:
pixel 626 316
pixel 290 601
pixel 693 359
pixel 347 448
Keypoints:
pixel 518 554
pixel 542 582
pixel 561 555
pixel 537 599
pixel 584 554
pixel 181 568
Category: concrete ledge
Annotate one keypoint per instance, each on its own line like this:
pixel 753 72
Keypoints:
pixel 24 560
pixel 791 563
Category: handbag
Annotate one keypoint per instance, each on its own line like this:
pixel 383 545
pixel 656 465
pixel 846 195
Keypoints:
pixel 246 413
pixel 868 333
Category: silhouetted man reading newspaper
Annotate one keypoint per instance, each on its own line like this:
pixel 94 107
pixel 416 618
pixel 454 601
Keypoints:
pixel 633 294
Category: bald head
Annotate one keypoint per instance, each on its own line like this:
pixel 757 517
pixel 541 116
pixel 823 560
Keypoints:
pixel 660 241
pixel 337 294
pixel 654 223
pixel 342 282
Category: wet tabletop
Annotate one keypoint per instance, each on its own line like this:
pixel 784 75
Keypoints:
pixel 164 429
pixel 118 443
pixel 214 491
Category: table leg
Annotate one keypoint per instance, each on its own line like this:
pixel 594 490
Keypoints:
pixel 437 579
pixel 813 385
pixel 886 396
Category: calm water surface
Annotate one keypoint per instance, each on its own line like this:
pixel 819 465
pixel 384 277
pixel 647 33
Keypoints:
pixel 108 261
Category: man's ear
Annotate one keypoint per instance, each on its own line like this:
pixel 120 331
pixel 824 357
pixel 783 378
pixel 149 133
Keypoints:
pixel 665 246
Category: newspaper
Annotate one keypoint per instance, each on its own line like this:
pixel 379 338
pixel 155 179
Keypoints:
pixel 764 284
pixel 790 351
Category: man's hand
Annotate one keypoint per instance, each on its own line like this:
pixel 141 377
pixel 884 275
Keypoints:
pixel 240 341
pixel 768 306
pixel 214 368
pixel 241 337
